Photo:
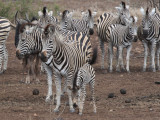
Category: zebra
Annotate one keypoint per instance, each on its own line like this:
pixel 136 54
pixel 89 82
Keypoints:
pixel 28 60
pixel 85 75
pixel 105 20
pixel 67 58
pixel 121 37
pixel 46 18
pixel 84 25
pixel 148 33
pixel 5 28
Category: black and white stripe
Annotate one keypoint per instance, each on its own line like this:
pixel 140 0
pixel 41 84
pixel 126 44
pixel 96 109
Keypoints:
pixel 5 27
pixel 121 37
pixel 85 75
pixel 149 34
pixel 67 58
pixel 84 25
pixel 106 19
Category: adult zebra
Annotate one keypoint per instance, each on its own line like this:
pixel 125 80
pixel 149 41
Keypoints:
pixel 149 34
pixel 121 37
pixel 67 58
pixel 84 25
pixel 106 19
pixel 5 28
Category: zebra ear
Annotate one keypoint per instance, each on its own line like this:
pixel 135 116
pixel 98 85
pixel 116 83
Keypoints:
pixel 152 11
pixel 50 13
pixel 118 9
pixel 142 11
pixel 94 13
pixel 127 6
pixel 40 13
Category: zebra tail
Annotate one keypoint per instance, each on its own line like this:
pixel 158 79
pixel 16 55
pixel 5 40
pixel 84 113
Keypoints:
pixel 94 57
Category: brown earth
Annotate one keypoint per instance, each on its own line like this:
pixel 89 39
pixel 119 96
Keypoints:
pixel 18 103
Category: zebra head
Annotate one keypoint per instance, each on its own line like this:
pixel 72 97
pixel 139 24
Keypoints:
pixel 88 17
pixel 132 28
pixel 66 21
pixel 26 41
pixel 147 21
pixel 47 42
pixel 46 18
pixel 124 13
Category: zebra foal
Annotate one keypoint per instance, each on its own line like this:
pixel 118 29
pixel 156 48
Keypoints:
pixel 85 75
pixel 121 37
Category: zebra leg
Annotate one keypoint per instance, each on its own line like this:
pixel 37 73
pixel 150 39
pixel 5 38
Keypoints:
pixel 122 64
pixel 81 101
pixel 153 47
pixel 127 57
pixel 58 91
pixel 93 95
pixel 1 57
pixel 145 55
pixel 28 71
pixel 49 79
pixel 5 58
pixel 103 53
pixel 42 68
pixel 119 63
pixel 157 52
pixel 110 56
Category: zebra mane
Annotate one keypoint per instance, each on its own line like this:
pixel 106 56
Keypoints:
pixel 123 4
pixel 44 10
pixel 90 13
pixel 21 29
pixel 64 13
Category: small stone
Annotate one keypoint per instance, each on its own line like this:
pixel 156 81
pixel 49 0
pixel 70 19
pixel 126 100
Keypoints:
pixel 128 101
pixel 123 91
pixel 111 95
pixel 35 92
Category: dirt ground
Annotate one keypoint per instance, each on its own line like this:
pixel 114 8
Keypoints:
pixel 141 102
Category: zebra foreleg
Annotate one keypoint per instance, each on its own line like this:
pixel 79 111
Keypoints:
pixel 145 55
pixel 58 79
pixel 158 52
pixel 49 79
pixel 110 56
pixel 81 99
pixel 119 59
pixel 128 57
pixel 153 47
pixel 103 53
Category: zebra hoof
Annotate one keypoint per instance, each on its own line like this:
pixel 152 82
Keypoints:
pixel 80 114
pixel 72 110
pixel 1 72
pixel 56 110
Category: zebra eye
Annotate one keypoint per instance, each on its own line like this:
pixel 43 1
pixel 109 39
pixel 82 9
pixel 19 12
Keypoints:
pixel 50 41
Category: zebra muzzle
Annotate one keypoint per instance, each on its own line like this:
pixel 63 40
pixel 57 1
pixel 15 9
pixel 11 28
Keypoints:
pixel 43 56
pixel 91 31
pixel 19 55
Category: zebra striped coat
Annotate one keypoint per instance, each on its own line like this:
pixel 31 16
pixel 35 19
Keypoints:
pixel 149 34
pixel 84 25
pixel 67 58
pixel 121 37
pixel 5 27
pixel 107 19
pixel 85 75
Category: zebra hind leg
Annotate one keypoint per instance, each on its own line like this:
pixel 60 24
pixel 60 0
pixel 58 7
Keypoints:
pixel 158 52
pixel 103 53
pixel 1 58
pixel 5 59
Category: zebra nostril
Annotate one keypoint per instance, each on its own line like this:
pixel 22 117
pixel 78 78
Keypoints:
pixel 91 31
pixel 43 57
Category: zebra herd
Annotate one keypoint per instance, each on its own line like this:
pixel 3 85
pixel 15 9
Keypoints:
pixel 65 50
